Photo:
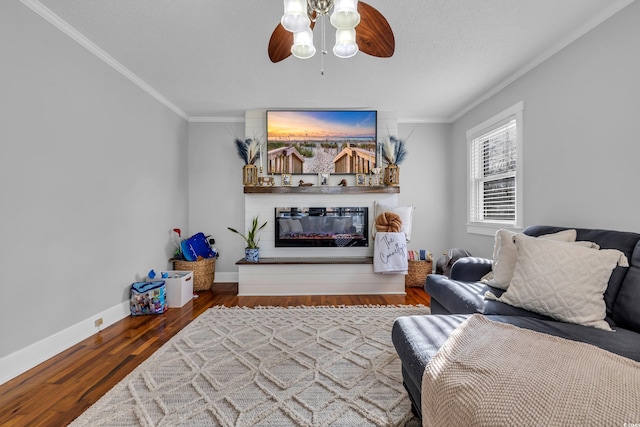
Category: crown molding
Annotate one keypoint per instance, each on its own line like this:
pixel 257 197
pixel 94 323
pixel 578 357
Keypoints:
pixel 211 119
pixel 79 38
pixel 557 47
pixel 409 120
pixel 74 34
pixel 215 119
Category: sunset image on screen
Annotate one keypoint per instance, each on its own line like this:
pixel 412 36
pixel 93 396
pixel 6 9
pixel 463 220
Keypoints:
pixel 321 125
pixel 321 141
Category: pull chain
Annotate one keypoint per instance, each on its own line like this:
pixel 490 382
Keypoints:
pixel 324 48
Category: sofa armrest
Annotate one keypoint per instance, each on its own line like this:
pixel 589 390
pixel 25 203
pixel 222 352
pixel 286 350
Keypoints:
pixel 470 269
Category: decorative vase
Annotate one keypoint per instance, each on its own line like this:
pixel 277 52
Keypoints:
pixel 252 254
pixel 392 175
pixel 376 180
pixel 250 175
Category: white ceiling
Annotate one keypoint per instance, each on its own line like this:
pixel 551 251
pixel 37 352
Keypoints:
pixel 208 58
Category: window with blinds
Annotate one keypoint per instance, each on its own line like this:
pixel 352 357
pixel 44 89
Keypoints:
pixel 493 171
pixel 493 163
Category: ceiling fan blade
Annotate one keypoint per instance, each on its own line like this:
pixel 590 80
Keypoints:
pixel 374 34
pixel 281 41
pixel 280 44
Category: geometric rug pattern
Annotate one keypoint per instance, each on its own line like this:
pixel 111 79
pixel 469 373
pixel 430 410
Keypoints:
pixel 268 366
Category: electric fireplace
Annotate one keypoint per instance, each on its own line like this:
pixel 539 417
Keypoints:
pixel 321 227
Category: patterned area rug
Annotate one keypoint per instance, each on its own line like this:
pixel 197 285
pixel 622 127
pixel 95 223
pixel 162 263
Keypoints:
pixel 268 366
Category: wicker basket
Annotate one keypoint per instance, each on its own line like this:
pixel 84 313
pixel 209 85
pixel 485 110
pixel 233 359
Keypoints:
pixel 417 273
pixel 204 272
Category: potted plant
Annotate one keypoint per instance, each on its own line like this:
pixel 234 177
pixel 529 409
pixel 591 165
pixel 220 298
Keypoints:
pixel 251 251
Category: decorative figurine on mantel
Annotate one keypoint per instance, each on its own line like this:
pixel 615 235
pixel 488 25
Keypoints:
pixel 394 153
pixel 266 181
pixel 249 152
pixel 304 184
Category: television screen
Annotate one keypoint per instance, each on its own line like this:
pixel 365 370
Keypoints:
pixel 312 142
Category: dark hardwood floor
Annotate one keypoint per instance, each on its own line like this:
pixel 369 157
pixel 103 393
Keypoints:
pixel 55 392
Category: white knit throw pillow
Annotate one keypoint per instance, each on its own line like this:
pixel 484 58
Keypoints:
pixel 561 280
pixel 504 255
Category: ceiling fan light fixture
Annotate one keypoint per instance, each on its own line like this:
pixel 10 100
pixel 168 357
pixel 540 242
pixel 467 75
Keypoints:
pixel 303 47
pixel 346 45
pixel 295 18
pixel 345 14
pixel 357 19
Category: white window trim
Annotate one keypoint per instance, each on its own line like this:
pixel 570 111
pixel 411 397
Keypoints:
pixel 485 227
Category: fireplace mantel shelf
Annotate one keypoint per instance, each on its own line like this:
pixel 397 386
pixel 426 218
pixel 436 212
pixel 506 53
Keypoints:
pixel 309 260
pixel 321 189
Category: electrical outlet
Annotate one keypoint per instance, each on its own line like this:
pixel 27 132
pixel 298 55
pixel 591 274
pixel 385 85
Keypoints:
pixel 98 322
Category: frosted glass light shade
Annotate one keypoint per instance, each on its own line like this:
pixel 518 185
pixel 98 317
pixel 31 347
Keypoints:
pixel 345 14
pixel 346 45
pixel 303 44
pixel 295 16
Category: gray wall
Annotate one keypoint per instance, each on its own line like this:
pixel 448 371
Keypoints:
pixel 93 176
pixel 424 183
pixel 581 145
pixel 94 173
pixel 216 199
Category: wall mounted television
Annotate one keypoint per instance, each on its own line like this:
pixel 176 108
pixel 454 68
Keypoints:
pixel 321 141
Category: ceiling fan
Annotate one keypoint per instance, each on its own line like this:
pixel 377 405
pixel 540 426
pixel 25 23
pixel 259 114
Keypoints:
pixel 373 34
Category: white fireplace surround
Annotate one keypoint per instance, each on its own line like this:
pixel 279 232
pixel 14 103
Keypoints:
pixel 264 205
pixel 313 279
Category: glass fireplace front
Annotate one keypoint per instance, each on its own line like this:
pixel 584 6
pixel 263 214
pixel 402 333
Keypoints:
pixel 321 227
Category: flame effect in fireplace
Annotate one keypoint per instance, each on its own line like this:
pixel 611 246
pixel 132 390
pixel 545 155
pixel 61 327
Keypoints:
pixel 321 227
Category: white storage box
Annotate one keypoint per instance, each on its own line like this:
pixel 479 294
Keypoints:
pixel 179 287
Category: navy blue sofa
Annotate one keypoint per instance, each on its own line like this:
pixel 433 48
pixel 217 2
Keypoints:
pixel 453 300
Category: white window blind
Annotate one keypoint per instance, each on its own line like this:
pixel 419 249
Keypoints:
pixel 493 166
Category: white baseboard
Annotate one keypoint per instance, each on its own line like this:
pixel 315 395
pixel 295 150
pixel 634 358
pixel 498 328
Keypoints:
pixel 22 360
pixel 228 277
pixel 29 357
